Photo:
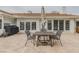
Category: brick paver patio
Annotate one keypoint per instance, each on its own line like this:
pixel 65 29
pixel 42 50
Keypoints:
pixel 15 43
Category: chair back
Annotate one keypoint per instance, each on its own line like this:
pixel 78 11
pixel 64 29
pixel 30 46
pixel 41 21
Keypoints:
pixel 27 32
pixel 33 36
pixel 59 33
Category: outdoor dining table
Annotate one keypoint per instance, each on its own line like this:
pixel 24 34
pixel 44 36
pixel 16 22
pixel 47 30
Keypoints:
pixel 44 34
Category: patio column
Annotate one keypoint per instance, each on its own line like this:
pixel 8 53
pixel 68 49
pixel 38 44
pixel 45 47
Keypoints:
pixel 2 25
pixel 2 22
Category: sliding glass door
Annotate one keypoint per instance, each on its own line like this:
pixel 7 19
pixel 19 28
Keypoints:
pixel 27 25
pixel 58 24
pixel 61 25
pixel 55 24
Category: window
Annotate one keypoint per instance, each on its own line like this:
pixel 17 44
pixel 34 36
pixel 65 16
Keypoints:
pixel 58 24
pixel 27 25
pixel 61 24
pixel 33 25
pixel 49 25
pixel 0 23
pixel 55 24
pixel 21 25
pixel 67 25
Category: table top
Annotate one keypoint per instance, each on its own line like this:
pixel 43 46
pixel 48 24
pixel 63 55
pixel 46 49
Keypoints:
pixel 44 33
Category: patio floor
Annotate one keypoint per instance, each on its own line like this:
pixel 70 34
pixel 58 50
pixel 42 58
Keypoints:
pixel 15 44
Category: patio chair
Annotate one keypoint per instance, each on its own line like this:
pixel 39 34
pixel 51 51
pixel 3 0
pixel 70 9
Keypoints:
pixel 57 37
pixel 29 37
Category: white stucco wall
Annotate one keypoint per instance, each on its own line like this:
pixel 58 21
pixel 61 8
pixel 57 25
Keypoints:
pixel 9 20
pixel 72 24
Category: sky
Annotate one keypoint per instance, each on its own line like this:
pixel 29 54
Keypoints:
pixel 24 9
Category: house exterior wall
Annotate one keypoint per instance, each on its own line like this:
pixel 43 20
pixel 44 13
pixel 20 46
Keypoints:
pixel 77 19
pixel 72 26
pixel 9 20
pixel 15 19
pixel 38 24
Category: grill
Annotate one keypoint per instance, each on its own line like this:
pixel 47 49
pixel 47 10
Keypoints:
pixel 12 29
